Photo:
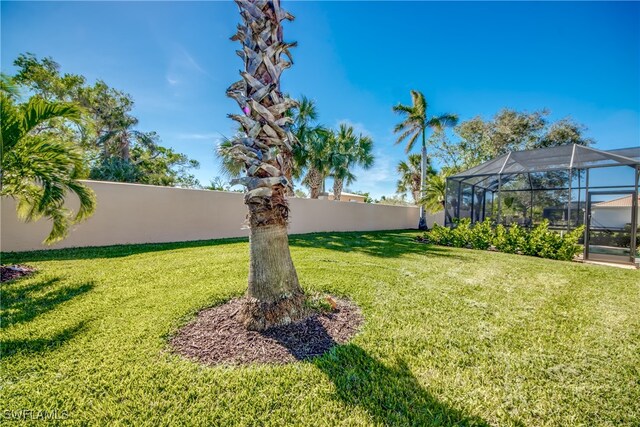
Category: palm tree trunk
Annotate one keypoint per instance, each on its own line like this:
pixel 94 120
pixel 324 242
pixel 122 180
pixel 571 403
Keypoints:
pixel 314 181
pixel 422 224
pixel 288 171
pixel 274 295
pixel 337 188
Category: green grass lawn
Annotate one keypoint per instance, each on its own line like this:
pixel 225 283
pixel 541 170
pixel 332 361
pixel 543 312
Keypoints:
pixel 451 337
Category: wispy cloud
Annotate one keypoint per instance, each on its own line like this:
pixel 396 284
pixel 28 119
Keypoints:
pixel 182 66
pixel 357 126
pixel 186 56
pixel 199 136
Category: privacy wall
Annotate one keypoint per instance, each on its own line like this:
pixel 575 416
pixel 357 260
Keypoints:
pixel 133 213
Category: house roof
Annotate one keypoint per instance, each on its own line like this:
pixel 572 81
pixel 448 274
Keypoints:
pixel 621 202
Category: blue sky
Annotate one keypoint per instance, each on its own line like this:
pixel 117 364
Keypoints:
pixel 356 59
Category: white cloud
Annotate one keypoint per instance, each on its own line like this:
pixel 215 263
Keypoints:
pixel 182 66
pixel 357 127
pixel 199 136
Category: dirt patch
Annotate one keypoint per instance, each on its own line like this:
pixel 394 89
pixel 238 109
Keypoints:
pixel 12 272
pixel 217 336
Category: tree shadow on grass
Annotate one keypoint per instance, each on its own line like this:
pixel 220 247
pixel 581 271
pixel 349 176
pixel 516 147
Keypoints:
pixel 21 304
pixel 114 251
pixel 40 345
pixel 384 244
pixel 392 396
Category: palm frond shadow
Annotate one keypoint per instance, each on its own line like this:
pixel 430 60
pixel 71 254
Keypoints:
pixel 23 304
pixel 384 244
pixel 391 395
pixel 114 251
pixel 40 345
pixel 381 244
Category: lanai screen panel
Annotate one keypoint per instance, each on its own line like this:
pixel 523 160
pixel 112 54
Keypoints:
pixel 529 186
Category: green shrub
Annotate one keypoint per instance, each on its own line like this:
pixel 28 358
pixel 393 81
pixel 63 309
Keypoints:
pixel 482 235
pixel 509 240
pixel 461 233
pixel 439 235
pixel 570 247
pixel 540 241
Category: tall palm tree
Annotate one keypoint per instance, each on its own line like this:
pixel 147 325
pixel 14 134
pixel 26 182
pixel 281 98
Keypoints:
pixel 415 124
pixel 410 176
pixel 39 170
pixel 348 150
pixel 274 295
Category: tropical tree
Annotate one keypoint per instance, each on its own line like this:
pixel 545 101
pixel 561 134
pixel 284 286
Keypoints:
pixel 415 125
pixel 310 156
pixel 315 157
pixel 38 170
pixel 112 145
pixel 348 150
pixel 8 86
pixel 300 194
pixel 435 193
pixel 479 140
pixel 274 295
pixel 410 176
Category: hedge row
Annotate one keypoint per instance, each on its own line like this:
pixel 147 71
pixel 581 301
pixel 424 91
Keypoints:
pixel 539 241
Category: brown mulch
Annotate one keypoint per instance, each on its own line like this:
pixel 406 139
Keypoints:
pixel 217 336
pixel 11 272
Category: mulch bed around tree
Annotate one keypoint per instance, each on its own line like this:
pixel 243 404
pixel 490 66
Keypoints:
pixel 217 336
pixel 11 272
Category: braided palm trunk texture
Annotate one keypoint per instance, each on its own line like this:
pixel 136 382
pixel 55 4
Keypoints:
pixel 274 295
pixel 337 188
pixel 314 181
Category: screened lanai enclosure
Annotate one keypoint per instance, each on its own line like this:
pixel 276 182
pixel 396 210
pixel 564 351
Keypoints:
pixel 568 186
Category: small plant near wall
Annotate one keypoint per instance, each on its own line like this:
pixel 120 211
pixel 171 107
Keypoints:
pixel 539 241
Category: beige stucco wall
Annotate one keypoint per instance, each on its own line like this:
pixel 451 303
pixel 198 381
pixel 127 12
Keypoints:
pixel 132 213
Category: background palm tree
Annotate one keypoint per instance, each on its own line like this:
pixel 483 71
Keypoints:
pixel 230 166
pixel 415 124
pixel 347 151
pixel 314 157
pixel 274 295
pixel 38 170
pixel 117 141
pixel 435 192
pixel 310 161
pixel 410 176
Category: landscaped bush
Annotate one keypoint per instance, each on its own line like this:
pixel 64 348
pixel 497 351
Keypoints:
pixel 540 241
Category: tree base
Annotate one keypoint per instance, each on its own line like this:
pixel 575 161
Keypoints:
pixel 260 315
pixel 422 224
pixel 217 335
